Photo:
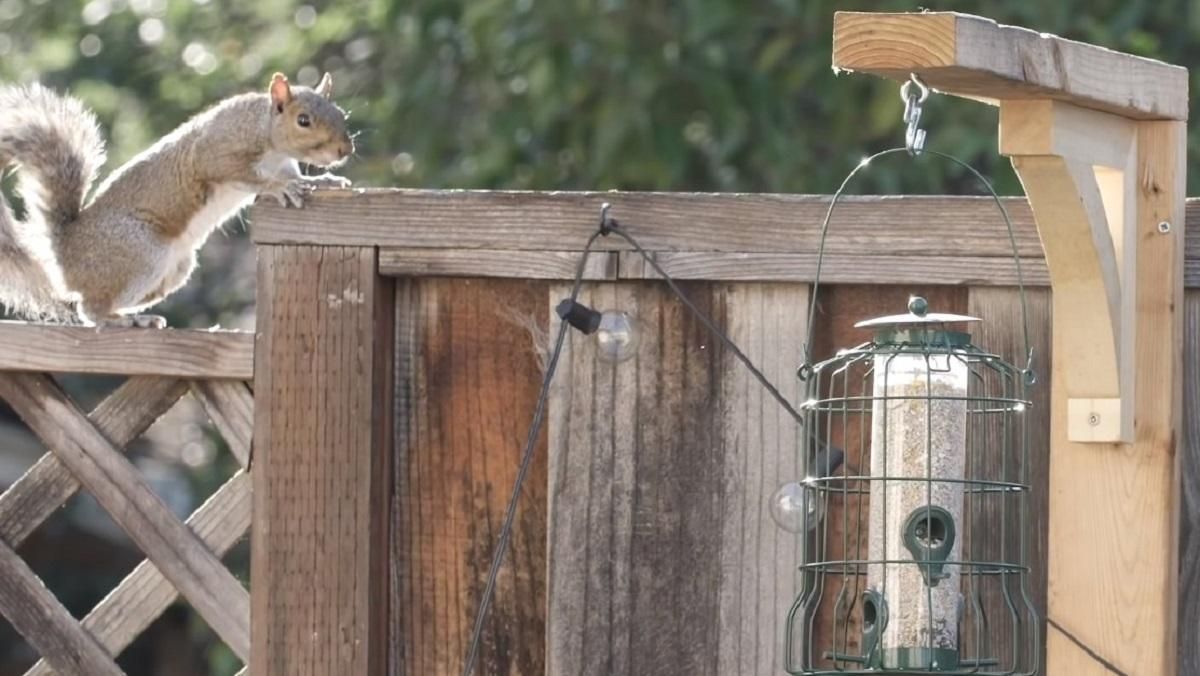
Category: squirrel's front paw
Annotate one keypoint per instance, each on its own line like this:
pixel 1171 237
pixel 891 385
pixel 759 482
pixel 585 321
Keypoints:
pixel 292 193
pixel 328 180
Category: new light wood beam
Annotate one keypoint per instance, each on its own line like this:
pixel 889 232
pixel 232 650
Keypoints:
pixel 977 58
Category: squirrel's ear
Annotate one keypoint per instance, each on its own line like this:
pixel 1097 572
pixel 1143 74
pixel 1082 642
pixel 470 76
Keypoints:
pixel 281 91
pixel 325 88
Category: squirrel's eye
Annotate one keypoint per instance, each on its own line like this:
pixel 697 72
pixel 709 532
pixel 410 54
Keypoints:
pixel 302 120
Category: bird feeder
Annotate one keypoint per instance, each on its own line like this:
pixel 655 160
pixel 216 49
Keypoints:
pixel 934 544
pixel 1099 142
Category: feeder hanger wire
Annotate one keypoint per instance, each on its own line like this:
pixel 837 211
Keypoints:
pixel 914 145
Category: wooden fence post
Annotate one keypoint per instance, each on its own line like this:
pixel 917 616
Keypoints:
pixel 322 448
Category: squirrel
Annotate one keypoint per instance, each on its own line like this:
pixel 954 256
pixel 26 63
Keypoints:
pixel 135 242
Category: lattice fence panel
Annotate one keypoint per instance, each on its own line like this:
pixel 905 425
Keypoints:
pixel 183 558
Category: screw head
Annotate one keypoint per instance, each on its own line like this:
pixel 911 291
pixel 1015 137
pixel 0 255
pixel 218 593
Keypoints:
pixel 1094 419
pixel 1164 227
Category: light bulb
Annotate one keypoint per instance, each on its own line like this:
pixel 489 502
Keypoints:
pixel 790 511
pixel 617 337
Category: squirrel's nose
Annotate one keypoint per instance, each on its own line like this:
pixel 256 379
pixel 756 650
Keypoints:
pixel 346 149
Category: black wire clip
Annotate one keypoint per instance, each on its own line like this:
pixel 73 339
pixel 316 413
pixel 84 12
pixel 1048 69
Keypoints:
pixel 579 316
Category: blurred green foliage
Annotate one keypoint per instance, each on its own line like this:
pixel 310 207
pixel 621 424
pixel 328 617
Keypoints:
pixel 706 95
pixel 731 95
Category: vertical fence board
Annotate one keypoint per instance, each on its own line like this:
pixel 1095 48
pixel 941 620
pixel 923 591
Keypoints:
pixel 467 376
pixel 663 558
pixel 1001 333
pixel 1189 521
pixel 759 561
pixel 321 450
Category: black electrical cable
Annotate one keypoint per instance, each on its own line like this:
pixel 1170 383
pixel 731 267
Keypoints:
pixel 708 323
pixel 535 428
pixel 829 461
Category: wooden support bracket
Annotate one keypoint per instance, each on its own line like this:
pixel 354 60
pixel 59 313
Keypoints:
pixel 1078 167
pixel 1098 139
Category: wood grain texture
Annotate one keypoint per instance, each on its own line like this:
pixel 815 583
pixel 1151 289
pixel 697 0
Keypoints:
pixel 976 57
pixel 677 222
pixel 494 263
pixel 662 556
pixel 1001 333
pixel 320 465
pixel 562 221
pixel 836 268
pixel 1113 526
pixel 168 352
pixel 230 406
pixel 145 593
pixel 46 624
pixel 121 418
pixel 758 560
pixel 215 594
pixel 1189 527
pixel 467 374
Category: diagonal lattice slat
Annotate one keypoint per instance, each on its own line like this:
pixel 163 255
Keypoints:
pixel 230 405
pixel 220 522
pixel 145 593
pixel 46 624
pixel 122 417
pixel 116 485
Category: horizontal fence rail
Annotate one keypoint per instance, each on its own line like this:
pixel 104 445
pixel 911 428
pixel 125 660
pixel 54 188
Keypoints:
pixel 734 237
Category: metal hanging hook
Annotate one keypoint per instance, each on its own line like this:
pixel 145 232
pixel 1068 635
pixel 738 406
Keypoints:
pixel 914 136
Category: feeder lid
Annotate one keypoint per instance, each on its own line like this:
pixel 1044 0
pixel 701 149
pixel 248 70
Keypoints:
pixel 918 315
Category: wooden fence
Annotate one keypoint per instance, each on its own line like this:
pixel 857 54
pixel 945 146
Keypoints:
pixel 397 359
pixel 85 453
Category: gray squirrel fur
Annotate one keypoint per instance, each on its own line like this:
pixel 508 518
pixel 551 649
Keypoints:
pixel 135 241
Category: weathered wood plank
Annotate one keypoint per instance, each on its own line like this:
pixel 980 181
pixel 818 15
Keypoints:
pixel 758 560
pixel 663 558
pixel 121 417
pixel 46 624
pixel 1001 333
pixel 901 225
pixel 145 593
pixel 735 266
pixel 1113 528
pixel 836 268
pixel 1189 526
pixel 976 57
pixel 182 353
pixel 119 488
pixel 322 447
pixel 562 221
pixel 494 263
pixel 230 406
pixel 467 370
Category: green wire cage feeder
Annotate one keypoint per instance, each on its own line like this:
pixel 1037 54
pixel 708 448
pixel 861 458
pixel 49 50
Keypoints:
pixel 915 558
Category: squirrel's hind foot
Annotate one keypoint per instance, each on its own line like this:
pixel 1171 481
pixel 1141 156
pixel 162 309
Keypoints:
pixel 132 321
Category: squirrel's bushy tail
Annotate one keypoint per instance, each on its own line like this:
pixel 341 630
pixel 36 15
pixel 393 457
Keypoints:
pixel 55 143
